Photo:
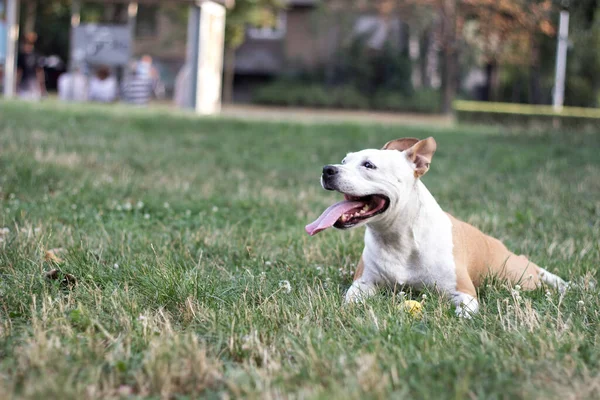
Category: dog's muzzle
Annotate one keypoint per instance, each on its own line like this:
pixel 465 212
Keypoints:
pixel 329 177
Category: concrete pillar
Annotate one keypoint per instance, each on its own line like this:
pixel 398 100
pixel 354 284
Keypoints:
pixel 210 60
pixel 75 60
pixel 192 53
pixel 30 16
pixel 204 58
pixel 561 62
pixel 12 44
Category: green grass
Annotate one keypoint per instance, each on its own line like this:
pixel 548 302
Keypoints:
pixel 181 233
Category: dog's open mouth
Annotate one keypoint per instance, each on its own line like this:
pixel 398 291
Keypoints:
pixel 348 213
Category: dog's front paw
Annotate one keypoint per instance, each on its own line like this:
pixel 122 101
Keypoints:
pixel 554 281
pixel 465 312
pixel 358 292
pixel 466 305
pixel 353 296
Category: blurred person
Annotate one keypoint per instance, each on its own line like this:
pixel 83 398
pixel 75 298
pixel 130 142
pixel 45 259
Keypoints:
pixel 137 87
pixel 103 86
pixel 30 74
pixel 73 86
pixel 182 87
pixel 146 68
pixel 54 67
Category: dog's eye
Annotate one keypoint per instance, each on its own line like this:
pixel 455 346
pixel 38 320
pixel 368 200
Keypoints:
pixel 369 165
pixel 344 161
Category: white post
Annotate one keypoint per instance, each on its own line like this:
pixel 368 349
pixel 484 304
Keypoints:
pixel 561 62
pixel 210 58
pixel 74 60
pixel 12 38
pixel 192 54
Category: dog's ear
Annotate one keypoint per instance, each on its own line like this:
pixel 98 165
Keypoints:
pixel 400 144
pixel 421 154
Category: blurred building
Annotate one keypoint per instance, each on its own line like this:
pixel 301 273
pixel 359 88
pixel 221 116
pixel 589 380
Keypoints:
pixel 307 36
pixel 304 37
pixel 161 31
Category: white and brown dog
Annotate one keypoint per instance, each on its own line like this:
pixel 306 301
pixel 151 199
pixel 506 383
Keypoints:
pixel 409 239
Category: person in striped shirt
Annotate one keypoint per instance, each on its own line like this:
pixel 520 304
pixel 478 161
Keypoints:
pixel 137 88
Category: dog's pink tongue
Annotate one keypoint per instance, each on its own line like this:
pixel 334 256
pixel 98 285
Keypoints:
pixel 329 216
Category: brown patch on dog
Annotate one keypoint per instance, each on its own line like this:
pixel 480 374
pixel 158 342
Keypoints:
pixel 359 269
pixel 477 255
pixel 418 151
pixel 400 144
pixel 421 154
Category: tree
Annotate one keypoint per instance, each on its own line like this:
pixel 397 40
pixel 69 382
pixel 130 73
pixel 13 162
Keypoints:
pixel 583 69
pixel 51 21
pixel 501 31
pixel 260 13
pixel 445 21
pixel 506 32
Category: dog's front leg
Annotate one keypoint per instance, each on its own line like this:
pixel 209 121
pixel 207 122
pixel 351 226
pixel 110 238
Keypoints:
pixel 466 305
pixel 360 290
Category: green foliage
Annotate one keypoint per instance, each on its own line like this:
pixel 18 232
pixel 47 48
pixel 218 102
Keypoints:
pixel 291 93
pixel 286 92
pixel 52 26
pixel 579 92
pixel 260 13
pixel 371 70
pixel 583 70
pixel 364 78
pixel 421 101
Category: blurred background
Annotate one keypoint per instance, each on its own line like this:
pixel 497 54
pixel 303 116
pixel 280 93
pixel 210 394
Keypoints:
pixel 388 55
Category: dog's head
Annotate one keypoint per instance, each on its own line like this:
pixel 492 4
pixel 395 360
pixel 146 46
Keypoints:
pixel 373 181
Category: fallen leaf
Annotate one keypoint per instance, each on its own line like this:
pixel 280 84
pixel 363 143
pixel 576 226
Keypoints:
pixel 53 255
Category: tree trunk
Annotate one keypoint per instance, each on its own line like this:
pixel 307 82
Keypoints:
pixel 424 50
pixel 515 96
pixel 535 92
pixel 414 53
pixel 448 81
pixel 228 75
pixel 30 16
pixel 496 83
pixel 491 81
pixel 449 56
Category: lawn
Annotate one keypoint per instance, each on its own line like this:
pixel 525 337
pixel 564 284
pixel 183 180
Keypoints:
pixel 190 274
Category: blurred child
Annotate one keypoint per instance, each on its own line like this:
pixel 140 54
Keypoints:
pixel 103 86
pixel 30 74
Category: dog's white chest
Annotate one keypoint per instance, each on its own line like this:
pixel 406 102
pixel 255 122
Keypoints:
pixel 421 258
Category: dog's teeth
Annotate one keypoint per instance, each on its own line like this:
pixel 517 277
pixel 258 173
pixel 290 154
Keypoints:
pixel 365 208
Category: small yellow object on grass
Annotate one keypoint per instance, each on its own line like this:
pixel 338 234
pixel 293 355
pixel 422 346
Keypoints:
pixel 53 256
pixel 414 308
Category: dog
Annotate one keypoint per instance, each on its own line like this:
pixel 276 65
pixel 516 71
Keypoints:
pixel 409 239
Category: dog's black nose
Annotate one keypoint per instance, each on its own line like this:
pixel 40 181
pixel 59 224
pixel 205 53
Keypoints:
pixel 329 170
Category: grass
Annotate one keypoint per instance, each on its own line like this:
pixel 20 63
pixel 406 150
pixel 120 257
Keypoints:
pixel 182 234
